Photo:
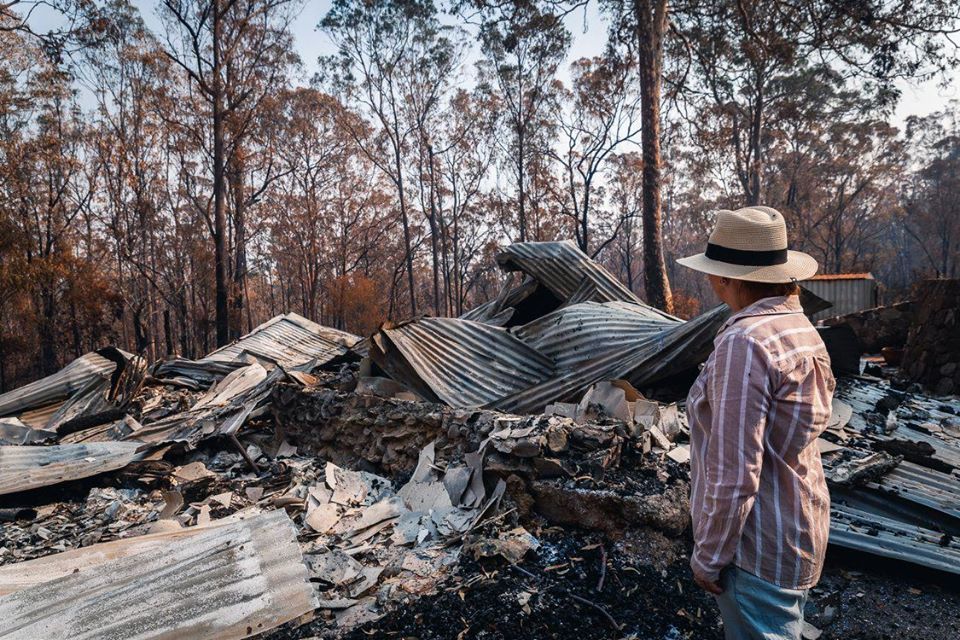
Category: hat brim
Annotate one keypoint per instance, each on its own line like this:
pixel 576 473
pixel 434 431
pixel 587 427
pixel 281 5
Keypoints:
pixel 799 266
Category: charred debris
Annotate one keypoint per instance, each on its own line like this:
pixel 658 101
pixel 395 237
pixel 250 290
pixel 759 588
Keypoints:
pixel 305 482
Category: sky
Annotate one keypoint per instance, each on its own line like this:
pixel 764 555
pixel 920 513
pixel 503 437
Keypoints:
pixel 588 31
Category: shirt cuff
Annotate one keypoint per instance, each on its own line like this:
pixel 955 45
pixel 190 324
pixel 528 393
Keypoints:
pixel 710 573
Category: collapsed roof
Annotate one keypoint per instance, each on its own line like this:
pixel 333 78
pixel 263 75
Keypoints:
pixel 568 325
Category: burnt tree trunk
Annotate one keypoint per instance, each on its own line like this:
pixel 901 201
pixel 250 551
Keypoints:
pixel 651 22
pixel 219 184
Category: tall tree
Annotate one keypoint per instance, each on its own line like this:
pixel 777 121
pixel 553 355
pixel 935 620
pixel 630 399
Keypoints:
pixel 388 53
pixel 232 52
pixel 601 113
pixel 742 53
pixel 932 195
pixel 523 44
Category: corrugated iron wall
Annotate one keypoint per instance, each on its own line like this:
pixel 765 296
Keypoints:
pixel 847 295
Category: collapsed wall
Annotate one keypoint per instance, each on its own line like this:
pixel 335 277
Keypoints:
pixel 932 353
pixel 878 327
pixel 567 472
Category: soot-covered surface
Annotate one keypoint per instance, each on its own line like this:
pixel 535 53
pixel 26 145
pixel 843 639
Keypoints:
pixel 646 592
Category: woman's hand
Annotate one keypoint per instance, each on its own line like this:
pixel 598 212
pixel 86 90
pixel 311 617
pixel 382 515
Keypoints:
pixel 706 584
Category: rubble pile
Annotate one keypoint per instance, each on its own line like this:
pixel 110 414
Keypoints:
pixel 489 475
pixel 878 327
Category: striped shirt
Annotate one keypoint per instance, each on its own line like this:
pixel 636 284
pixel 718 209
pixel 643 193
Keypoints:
pixel 759 498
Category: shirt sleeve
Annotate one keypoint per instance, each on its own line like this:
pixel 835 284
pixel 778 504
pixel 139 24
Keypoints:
pixel 739 394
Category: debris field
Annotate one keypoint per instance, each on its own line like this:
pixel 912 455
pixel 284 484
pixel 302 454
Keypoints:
pixel 507 472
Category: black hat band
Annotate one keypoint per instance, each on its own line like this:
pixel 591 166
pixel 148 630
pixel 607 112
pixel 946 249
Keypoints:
pixel 746 258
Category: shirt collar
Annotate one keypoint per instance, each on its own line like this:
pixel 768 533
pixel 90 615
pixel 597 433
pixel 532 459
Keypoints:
pixel 766 307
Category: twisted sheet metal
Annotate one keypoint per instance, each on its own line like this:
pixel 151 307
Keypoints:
pixel 459 362
pixel 577 334
pixel 47 392
pixel 288 340
pixel 563 269
pixel 471 364
pixel 642 353
pixel 26 467
pixel 223 409
pixel 230 581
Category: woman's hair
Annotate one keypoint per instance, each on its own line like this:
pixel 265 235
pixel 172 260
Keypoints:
pixel 753 291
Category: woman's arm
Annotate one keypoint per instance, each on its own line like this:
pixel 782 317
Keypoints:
pixel 739 393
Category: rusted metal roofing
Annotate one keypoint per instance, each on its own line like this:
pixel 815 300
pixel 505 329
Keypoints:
pixel 50 391
pixel 564 269
pixel 230 581
pixel 27 467
pixel 288 340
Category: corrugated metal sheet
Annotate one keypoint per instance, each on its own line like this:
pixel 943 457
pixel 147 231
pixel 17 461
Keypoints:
pixel 580 326
pixel 231 581
pixel 49 391
pixel 26 467
pixel 870 532
pixel 287 340
pixel 470 364
pixel 563 268
pixel 930 488
pixel 847 294
pixel 464 363
pixel 641 356
pixel 223 409
pixel 572 336
pixel 60 565
pixel 914 412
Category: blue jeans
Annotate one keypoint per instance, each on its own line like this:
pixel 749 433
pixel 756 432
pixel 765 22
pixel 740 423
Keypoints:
pixel 754 609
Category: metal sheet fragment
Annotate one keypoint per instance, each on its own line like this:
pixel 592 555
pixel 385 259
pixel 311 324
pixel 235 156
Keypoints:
pixel 230 581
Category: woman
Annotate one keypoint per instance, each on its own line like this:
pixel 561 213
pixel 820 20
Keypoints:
pixel 759 501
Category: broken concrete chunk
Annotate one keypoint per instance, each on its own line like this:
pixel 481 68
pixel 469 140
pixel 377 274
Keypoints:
pixel 563 409
pixel 455 480
pixel 367 579
pixel 825 446
pixel 351 488
pixel 377 513
pixel 512 545
pixel 670 423
pixel 646 413
pixel 659 439
pixel 423 496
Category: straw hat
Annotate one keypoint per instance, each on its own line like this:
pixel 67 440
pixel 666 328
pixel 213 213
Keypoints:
pixel 751 244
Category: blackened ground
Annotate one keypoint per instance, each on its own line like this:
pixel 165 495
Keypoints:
pixel 647 592
pixel 873 599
